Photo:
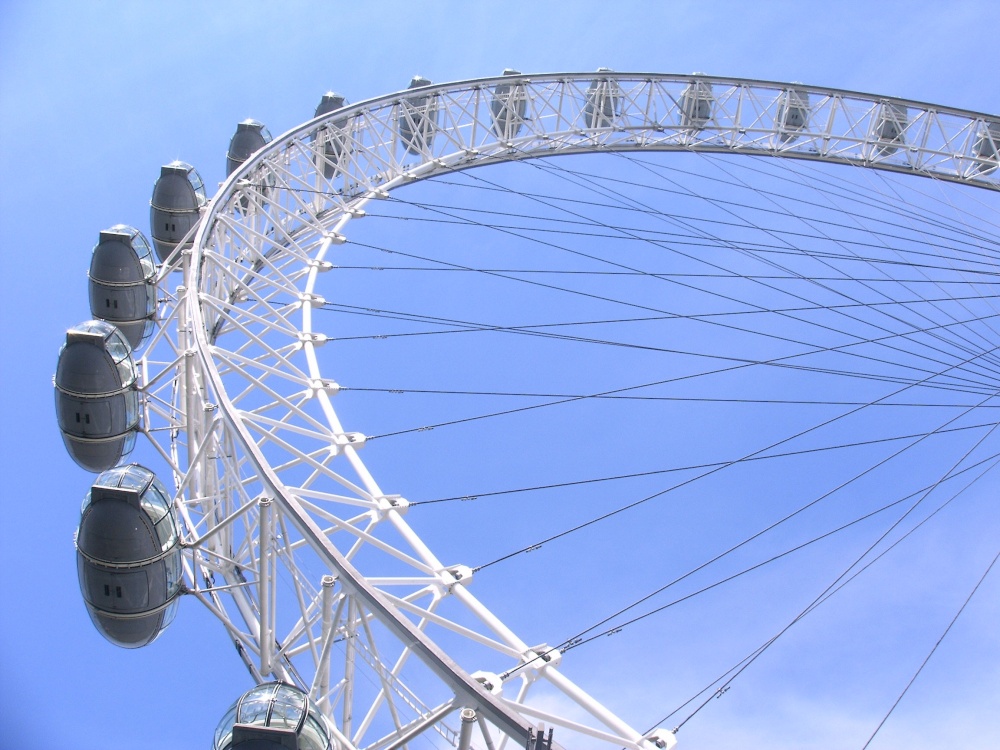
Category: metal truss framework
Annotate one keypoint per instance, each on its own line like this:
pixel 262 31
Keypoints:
pixel 270 487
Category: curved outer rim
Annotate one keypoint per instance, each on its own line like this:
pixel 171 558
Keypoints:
pixel 954 159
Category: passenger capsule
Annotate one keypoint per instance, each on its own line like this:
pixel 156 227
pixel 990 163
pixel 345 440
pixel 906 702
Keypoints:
pixel 331 138
pixel 128 556
pixel 987 148
pixel 890 124
pixel 417 118
pixel 274 715
pixel 696 105
pixel 97 405
pixel 508 107
pixel 793 114
pixel 602 100
pixel 250 137
pixel 122 282
pixel 178 197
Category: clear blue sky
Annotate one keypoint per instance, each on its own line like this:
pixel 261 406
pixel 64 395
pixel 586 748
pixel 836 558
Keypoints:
pixel 95 96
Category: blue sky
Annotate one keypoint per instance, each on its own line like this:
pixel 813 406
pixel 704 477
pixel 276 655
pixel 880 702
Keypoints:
pixel 95 96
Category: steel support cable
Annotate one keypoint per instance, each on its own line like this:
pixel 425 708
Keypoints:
pixel 629 304
pixel 685 238
pixel 838 584
pixel 807 222
pixel 667 275
pixel 874 268
pixel 908 383
pixel 906 335
pixel 945 196
pixel 559 171
pixel 978 242
pixel 680 275
pixel 716 203
pixel 551 225
pixel 674 236
pixel 780 361
pixel 578 640
pixel 934 648
pixel 901 208
pixel 826 287
pixel 974 242
pixel 693 467
pixel 953 473
pixel 988 261
pixel 728 464
pixel 476 327
pixel 912 216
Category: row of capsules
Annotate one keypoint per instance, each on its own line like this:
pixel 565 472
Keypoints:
pixel 128 540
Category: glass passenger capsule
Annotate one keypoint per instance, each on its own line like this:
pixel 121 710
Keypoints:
pixel 97 405
pixel 250 137
pixel 274 715
pixel 128 556
pixel 416 118
pixel 175 209
pixel 696 105
pixel 890 124
pixel 987 148
pixel 508 107
pixel 332 138
pixel 122 282
pixel 602 100
pixel 793 114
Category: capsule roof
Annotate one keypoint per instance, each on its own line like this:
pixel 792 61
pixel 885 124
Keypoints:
pixel 85 370
pixel 331 101
pixel 273 714
pixel 137 490
pixel 108 265
pixel 250 137
pixel 170 194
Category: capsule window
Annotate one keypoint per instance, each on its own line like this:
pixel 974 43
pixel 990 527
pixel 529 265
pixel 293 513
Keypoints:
pixel 118 591
pixel 107 590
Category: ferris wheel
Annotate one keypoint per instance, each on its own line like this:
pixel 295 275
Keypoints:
pixel 254 496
